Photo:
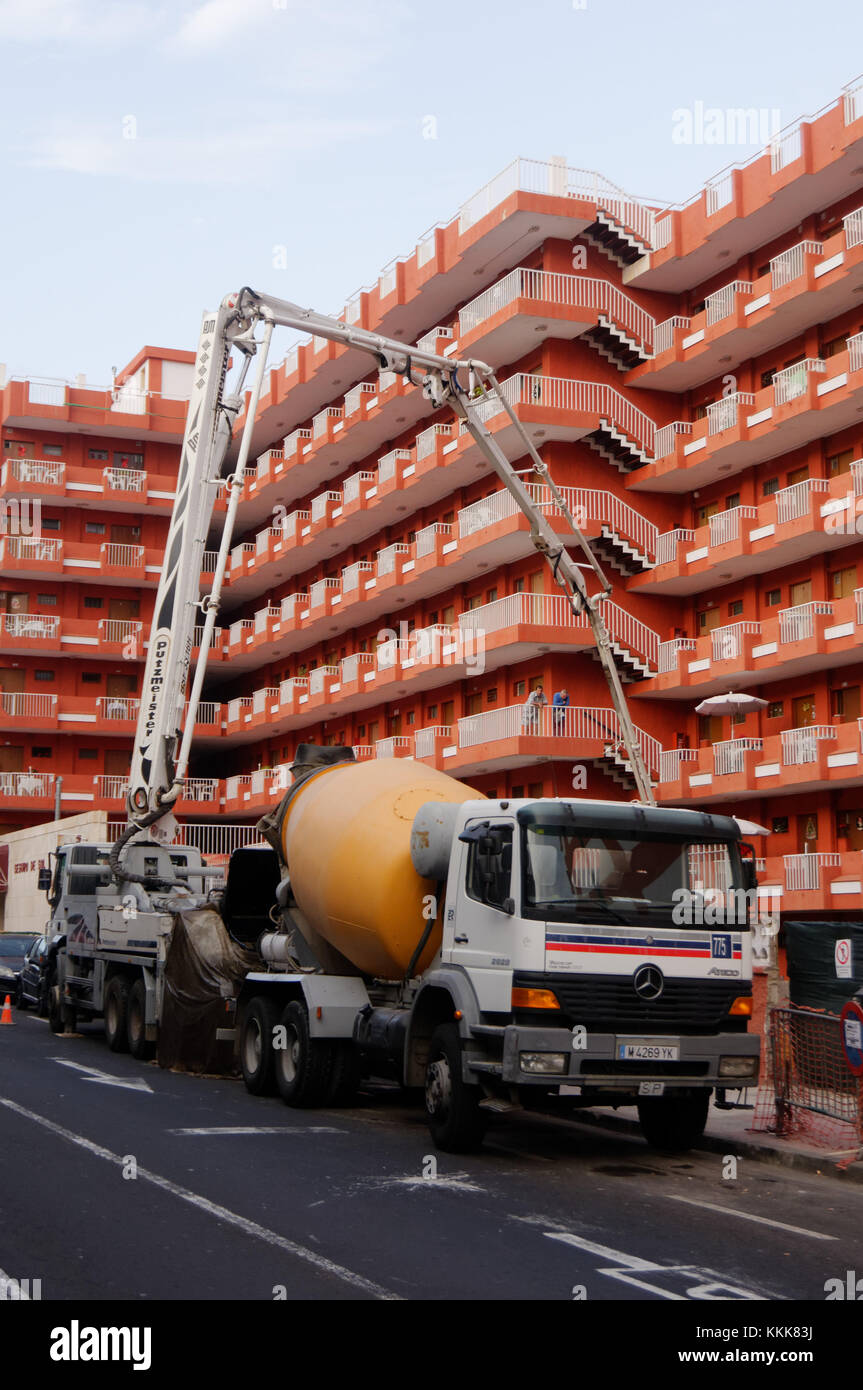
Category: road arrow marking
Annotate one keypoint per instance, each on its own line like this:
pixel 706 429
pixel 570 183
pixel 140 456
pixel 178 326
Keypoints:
pixel 103 1078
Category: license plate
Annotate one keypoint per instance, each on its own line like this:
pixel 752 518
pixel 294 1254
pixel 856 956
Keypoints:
pixel 644 1050
pixel 569 1090
pixel 651 1088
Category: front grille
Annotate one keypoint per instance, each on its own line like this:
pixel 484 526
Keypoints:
pixel 634 1068
pixel 606 1004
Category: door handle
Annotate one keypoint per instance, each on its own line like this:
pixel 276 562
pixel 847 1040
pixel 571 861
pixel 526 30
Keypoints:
pixel 460 940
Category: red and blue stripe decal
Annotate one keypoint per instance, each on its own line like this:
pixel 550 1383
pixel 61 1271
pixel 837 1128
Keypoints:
pixel 703 948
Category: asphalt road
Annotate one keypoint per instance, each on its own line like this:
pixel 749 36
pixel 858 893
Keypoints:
pixel 177 1187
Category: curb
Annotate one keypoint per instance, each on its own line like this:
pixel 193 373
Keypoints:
pixel 824 1165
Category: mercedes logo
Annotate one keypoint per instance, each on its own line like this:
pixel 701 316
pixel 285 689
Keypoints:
pixel 648 982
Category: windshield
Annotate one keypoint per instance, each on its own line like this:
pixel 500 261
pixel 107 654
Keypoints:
pixel 574 875
pixel 15 945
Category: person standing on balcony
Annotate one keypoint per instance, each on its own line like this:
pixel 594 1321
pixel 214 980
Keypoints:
pixel 560 702
pixel 532 705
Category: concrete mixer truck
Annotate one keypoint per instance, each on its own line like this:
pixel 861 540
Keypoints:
pixel 496 953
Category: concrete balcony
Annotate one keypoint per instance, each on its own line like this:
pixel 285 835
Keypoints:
pixel 46 404
pixel 807 401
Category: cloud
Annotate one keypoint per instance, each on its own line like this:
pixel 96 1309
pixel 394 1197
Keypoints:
pixel 218 21
pixel 102 22
pixel 262 151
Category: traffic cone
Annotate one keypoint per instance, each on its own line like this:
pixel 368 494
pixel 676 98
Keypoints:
pixel 6 1016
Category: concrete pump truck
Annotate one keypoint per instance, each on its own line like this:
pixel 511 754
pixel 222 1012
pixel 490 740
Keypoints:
pixel 498 954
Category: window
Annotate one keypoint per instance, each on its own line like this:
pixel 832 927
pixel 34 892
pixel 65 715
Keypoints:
pixel 735 608
pixel 409 717
pixel 47 600
pixel 448 615
pixel 491 696
pixel 706 620
pixel 489 865
pixel 43 675
pixel 94 528
pixel 843 582
pixel 50 523
pixel 775 709
pixel 41 752
pixel 518 689
pixel 100 455
pixel 88 753
pixel 431 712
pixel 732 501
pixel 772 597
pixel 767 378
pixel 490 595
pixel 840 463
pixel 122 459
pixel 473 602
pixel 447 713
pixel 90 601
pixel 91 678
pixel 518 586
pixel 517 792
pixel 835 345
pixel 534 789
pixel 474 704
pixel 701 410
pixel 52 451
pixel 769 487
pixel 361 731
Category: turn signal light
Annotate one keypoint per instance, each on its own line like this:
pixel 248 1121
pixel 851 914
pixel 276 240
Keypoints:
pixel 742 1006
pixel 534 999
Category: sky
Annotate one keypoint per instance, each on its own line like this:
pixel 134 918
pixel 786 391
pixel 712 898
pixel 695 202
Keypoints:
pixel 156 156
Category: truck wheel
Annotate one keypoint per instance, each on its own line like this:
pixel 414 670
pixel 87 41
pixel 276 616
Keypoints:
pixel 136 1022
pixel 673 1124
pixel 455 1120
pixel 345 1076
pixel 116 1013
pixel 304 1064
pixel 61 1018
pixel 256 1045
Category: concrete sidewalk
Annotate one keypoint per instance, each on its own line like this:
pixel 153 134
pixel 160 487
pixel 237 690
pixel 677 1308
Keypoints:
pixel 729 1132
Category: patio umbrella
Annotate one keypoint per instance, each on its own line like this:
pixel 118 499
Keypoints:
pixel 730 704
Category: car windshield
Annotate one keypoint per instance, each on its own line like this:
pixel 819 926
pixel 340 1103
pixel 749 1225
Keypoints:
pixel 15 945
pixel 574 875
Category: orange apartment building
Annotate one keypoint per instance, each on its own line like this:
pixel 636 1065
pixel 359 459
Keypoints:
pixel 694 379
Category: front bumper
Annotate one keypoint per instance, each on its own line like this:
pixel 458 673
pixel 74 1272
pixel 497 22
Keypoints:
pixel 597 1065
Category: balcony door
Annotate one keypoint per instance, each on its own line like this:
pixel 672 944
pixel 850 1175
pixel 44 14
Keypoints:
pixel 124 607
pixel 11 759
pixel 802 711
pixel 11 679
pixel 801 593
pixel 807 833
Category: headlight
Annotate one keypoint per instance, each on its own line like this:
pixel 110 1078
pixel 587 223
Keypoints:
pixel 549 1063
pixel 6 973
pixel 738 1066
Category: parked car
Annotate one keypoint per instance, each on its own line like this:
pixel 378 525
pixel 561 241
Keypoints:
pixel 34 980
pixel 13 950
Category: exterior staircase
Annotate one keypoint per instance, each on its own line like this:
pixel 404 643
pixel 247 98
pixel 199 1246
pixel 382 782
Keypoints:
pixel 614 240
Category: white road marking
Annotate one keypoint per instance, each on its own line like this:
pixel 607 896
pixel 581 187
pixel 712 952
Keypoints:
pixel 263 1129
pixel 701 1284
pixel 12 1290
pixel 104 1078
pixel 749 1216
pixel 230 1218
pixel 452 1182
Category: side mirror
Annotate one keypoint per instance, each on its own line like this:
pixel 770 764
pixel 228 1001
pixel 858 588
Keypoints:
pixel 43 883
pixel 750 872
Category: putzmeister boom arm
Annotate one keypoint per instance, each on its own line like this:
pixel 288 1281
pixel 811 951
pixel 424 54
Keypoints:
pixel 166 718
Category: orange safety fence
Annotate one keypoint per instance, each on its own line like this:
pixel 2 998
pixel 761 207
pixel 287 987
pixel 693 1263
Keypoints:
pixel 808 1090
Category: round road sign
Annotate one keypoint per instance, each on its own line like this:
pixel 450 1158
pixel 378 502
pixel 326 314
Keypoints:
pixel 851 1024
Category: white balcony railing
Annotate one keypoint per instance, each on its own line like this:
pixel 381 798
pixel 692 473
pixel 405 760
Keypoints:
pixel 670 760
pixel 355 485
pixel 387 558
pixel 426 539
pixel 36 472
pixel 26 784
pixel 25 704
pixel 117 708
pixel 585 504
pixel 798 624
pixel 795 501
pixel 322 502
pixel 40 549
pixel 784 149
pixel 727 642
pixel 263 698
pixel 397 746
pixel 293 689
pixel 668 544
pixel 853 226
pixel 719 192
pixel 264 616
pixel 319 676
pixel 125 479
pixel 793 381
pixel 723 414
pixel 669 653
pixel 322 590
pixel 322 421
pixel 354 397
pixel 30 625
pixel 388 464
pixel 352 576
pixel 296 441
pixel 424 739
pixel 239 631
pixel 571 291
pixel 665 332
pixel 430 341
pixel 290 605
pixel 427 441
pixel 721 304
pixel 117 629
pixel 790 265
pixel 801 745
pixel 353 665
pixel 855 352
pixel 803 871
pixel 725 526
pixel 578 723
pixel 730 755
pixel 666 437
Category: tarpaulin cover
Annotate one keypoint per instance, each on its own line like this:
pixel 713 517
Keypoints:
pixel 812 974
pixel 203 966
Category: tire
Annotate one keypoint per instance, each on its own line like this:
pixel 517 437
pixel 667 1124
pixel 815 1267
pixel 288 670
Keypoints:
pixel 22 1003
pixel 456 1123
pixel 136 1030
pixel 256 1046
pixel 673 1124
pixel 42 1007
pixel 116 1013
pixel 304 1065
pixel 61 1018
pixel 345 1076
